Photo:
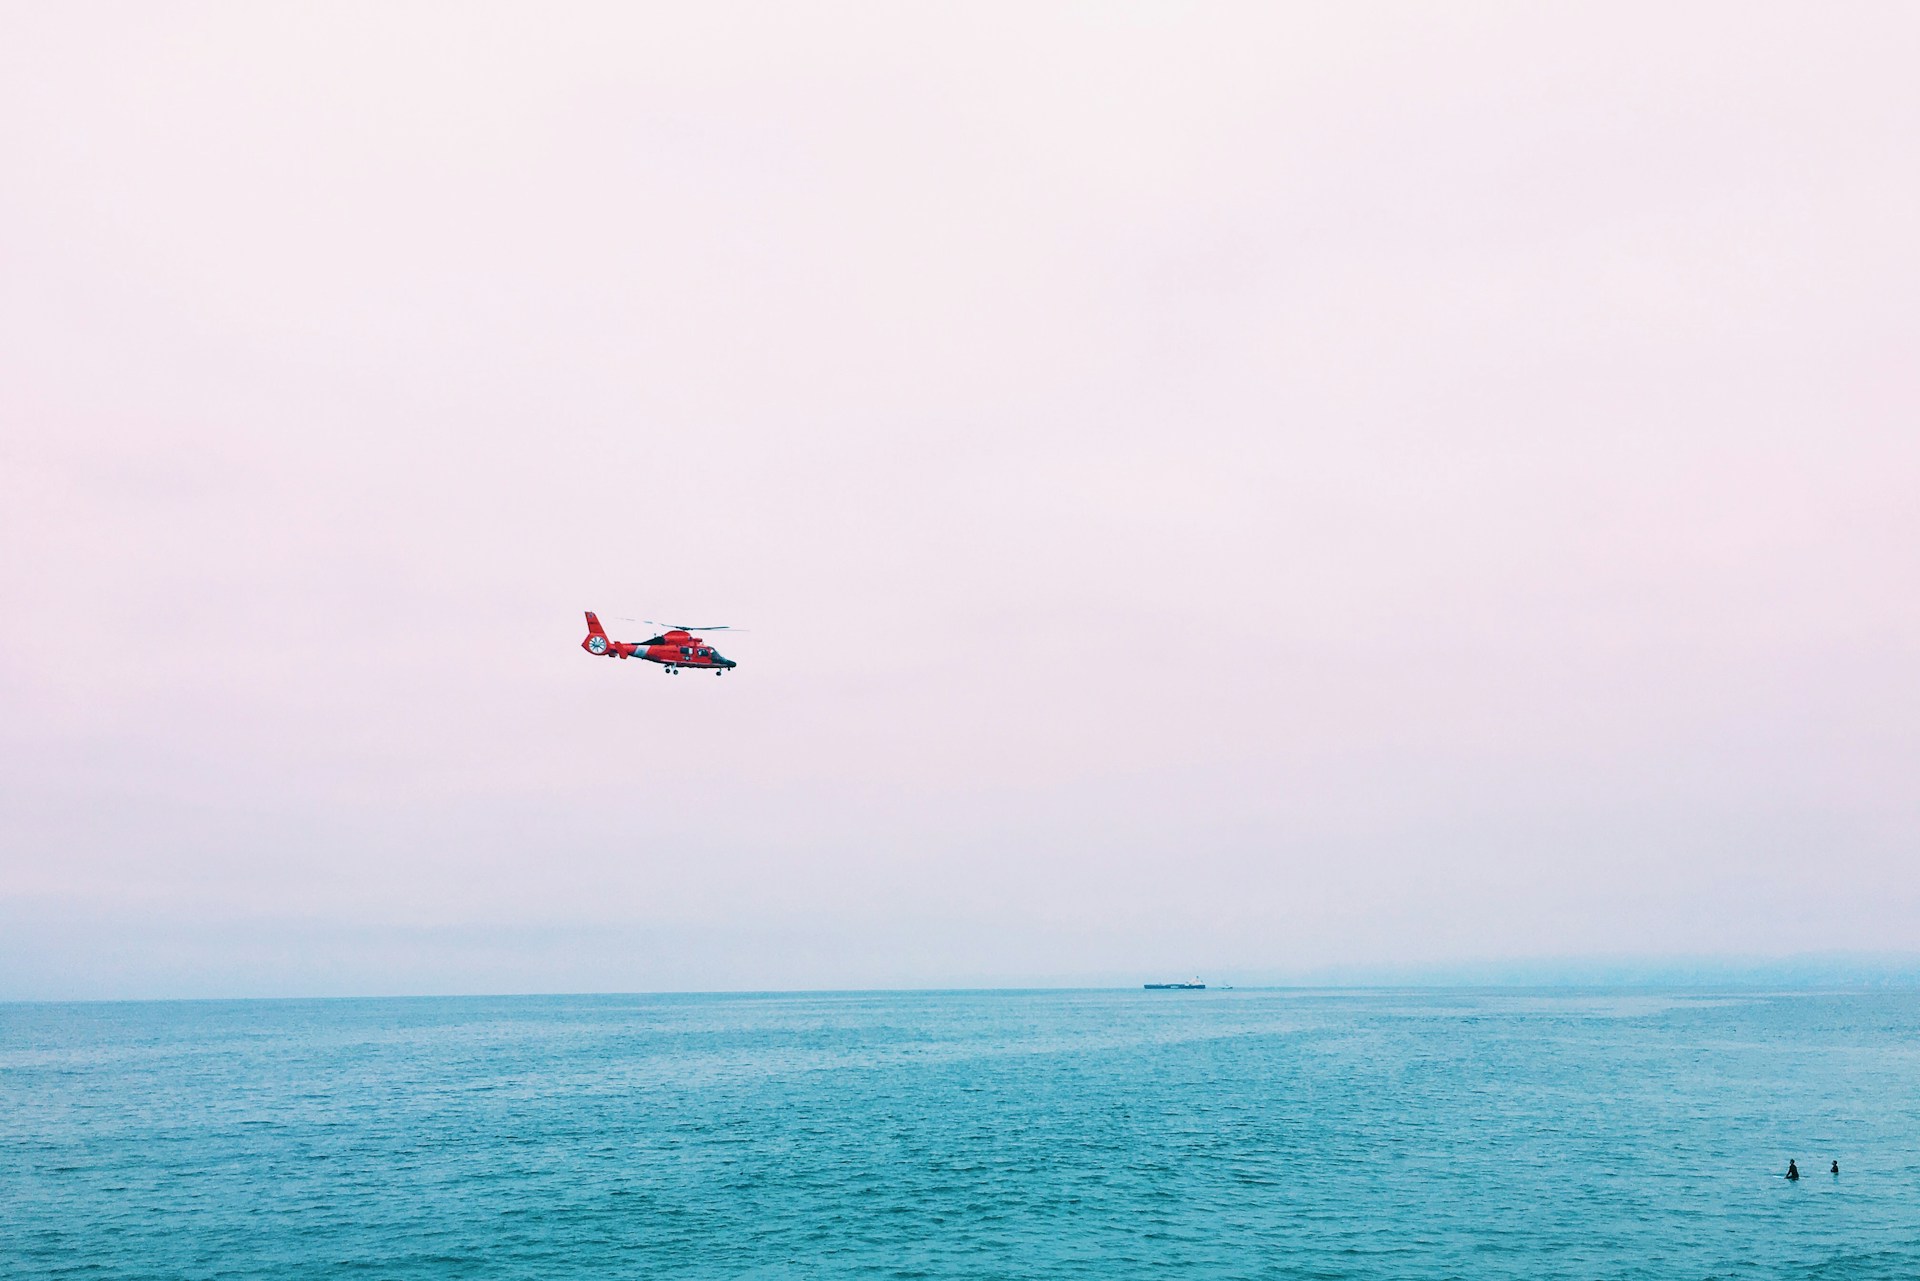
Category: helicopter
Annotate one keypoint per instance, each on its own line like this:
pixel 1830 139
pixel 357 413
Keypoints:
pixel 673 648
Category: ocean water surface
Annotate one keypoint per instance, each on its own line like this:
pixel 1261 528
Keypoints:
pixel 1257 1134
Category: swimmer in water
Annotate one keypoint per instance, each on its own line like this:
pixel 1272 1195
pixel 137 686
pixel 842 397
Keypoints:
pixel 1793 1171
pixel 1835 1169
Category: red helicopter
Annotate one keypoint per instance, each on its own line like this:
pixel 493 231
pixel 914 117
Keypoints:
pixel 674 648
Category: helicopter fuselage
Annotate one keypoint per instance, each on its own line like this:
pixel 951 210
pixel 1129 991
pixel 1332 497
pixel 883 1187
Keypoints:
pixel 672 649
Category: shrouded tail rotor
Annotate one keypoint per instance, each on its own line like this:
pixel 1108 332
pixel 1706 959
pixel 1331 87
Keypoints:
pixel 596 641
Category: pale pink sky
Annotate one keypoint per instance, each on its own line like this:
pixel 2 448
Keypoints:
pixel 1227 489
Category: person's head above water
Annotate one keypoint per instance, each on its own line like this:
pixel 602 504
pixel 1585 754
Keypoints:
pixel 1835 1169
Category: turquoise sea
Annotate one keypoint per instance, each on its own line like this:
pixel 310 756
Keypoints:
pixel 1257 1134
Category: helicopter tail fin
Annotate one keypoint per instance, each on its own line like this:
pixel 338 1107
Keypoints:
pixel 596 641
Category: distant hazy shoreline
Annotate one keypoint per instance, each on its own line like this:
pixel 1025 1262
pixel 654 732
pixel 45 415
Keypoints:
pixel 1814 973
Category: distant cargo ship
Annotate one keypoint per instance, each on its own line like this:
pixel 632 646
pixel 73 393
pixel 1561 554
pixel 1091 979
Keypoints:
pixel 1195 986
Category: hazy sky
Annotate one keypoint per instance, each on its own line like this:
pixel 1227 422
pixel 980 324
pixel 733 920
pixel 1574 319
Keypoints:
pixel 1236 490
